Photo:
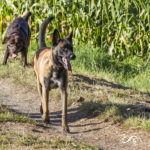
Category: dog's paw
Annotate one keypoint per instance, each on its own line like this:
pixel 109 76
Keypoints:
pixel 25 65
pixel 3 63
pixel 65 129
pixel 45 119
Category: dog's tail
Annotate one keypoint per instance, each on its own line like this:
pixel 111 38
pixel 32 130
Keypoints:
pixel 26 17
pixel 43 30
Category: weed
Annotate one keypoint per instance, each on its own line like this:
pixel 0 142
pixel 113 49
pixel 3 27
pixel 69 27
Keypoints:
pixel 27 140
pixel 126 115
pixel 7 115
pixel 32 141
pixel 129 72
pixel 138 123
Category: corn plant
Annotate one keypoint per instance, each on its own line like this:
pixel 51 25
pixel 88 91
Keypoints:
pixel 121 28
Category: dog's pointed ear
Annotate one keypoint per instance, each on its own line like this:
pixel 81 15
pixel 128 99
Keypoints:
pixel 69 37
pixel 56 37
pixel 5 40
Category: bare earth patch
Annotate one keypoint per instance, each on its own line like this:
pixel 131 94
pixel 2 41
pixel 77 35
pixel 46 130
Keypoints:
pixel 98 132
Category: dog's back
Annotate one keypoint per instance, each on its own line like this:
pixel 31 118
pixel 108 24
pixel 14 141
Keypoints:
pixel 17 26
pixel 20 25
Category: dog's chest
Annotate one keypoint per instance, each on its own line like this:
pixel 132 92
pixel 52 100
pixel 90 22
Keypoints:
pixel 55 79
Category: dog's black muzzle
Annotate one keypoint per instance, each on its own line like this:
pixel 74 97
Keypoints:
pixel 72 57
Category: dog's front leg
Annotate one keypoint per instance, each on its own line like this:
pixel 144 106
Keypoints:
pixel 45 97
pixel 24 57
pixel 64 110
pixel 6 56
pixel 39 87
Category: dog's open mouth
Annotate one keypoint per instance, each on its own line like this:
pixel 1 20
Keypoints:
pixel 67 64
pixel 14 55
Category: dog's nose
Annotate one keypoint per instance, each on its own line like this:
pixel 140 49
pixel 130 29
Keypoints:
pixel 72 56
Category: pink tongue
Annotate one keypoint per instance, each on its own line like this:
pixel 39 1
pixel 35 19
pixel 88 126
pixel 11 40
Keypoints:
pixel 14 55
pixel 67 63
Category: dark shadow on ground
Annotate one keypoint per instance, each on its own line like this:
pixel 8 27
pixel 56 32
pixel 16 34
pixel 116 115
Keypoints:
pixel 102 82
pixel 90 110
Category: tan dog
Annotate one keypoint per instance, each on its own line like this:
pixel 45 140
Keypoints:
pixel 51 65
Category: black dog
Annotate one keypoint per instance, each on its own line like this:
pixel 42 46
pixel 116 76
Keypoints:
pixel 17 39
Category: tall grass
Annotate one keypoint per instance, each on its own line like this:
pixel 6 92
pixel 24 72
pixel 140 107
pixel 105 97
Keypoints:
pixel 132 72
pixel 118 27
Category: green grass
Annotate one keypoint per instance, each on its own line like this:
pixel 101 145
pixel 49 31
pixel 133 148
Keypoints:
pixel 15 70
pixel 138 123
pixel 120 28
pixel 8 116
pixel 130 72
pixel 89 68
pixel 125 115
pixel 19 140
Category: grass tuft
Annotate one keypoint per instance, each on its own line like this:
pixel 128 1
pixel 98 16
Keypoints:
pixel 117 75
pixel 126 115
pixel 7 139
pixel 8 116
pixel 130 72
pixel 138 123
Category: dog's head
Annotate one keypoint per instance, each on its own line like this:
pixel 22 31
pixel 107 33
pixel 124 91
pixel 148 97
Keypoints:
pixel 63 50
pixel 14 44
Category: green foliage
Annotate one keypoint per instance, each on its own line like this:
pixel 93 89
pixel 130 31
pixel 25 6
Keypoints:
pixel 118 27
pixel 132 72
pixel 127 115
pixel 23 140
pixel 7 115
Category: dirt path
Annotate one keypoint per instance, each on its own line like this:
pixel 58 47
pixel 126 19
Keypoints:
pixel 99 133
